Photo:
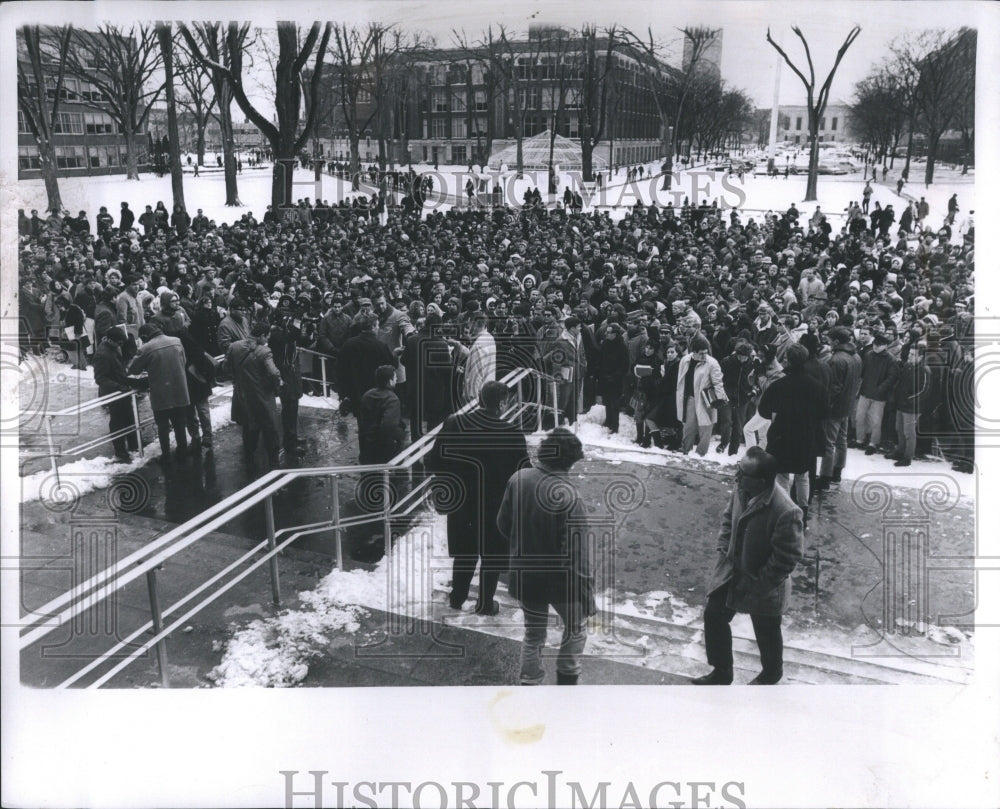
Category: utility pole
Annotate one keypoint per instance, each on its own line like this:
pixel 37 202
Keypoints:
pixel 773 136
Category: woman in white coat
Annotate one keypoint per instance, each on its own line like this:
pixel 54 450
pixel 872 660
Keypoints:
pixel 699 393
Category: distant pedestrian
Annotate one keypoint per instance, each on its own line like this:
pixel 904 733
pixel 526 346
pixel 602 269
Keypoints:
pixel 545 522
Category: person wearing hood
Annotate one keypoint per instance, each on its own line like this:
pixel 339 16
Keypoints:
pixel 163 358
pixel 845 381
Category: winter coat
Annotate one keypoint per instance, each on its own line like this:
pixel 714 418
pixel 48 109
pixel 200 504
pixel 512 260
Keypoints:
pixel 333 333
pixel 256 381
pixel 204 329
pixel 474 456
pixel 545 522
pixel 380 427
pixel 359 359
pixel 130 313
pixel 912 388
pixel 109 369
pixel 796 405
pixel 845 379
pixel 393 328
pixel 230 331
pixel 105 319
pixel 612 367
pixel 566 360
pixel 164 359
pixel 708 388
pixel 200 369
pixel 480 365
pixel 878 376
pixel 428 367
pixel 758 547
pixel 738 379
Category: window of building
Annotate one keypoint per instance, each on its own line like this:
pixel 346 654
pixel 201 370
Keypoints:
pixel 572 99
pixel 439 101
pixel 573 127
pixel 477 74
pixel 833 123
pixel 27 158
pixel 425 154
pixel 439 128
pixel 822 123
pixel 480 101
pixel 798 139
pixel 458 155
pixel 69 123
pixel 22 124
pixel 458 128
pixel 70 157
pixel 459 101
pixel 99 123
pixel 798 124
pixel 479 124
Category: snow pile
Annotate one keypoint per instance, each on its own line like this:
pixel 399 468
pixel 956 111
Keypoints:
pixel 331 402
pixel 275 652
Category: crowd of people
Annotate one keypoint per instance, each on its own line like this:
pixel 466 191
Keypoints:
pixel 682 318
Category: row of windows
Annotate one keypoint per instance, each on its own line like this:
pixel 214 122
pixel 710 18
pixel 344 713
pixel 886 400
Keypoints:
pixel 74 157
pixel 75 123
pixel 822 124
pixel 73 90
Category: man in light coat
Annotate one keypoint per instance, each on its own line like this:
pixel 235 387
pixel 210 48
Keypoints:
pixel 480 359
pixel 567 362
pixel 700 392
pixel 758 547
pixel 163 358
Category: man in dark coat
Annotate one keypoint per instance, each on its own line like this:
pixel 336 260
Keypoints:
pixel 380 427
pixel 127 219
pixel 110 376
pixel 474 456
pixel 359 359
pixel 758 547
pixel 256 380
pixel 200 381
pixel 285 349
pixel 428 364
pixel 845 381
pixel 613 368
pixel 334 329
pixel 545 521
pixel 796 405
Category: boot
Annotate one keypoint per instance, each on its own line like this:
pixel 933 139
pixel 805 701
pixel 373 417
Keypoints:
pixel 765 679
pixel 566 679
pixel 715 677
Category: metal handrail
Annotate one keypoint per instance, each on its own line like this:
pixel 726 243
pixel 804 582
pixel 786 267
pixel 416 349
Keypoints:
pixel 150 558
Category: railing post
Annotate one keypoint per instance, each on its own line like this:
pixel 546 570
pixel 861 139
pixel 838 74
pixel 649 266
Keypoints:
pixel 539 384
pixel 335 510
pixel 135 416
pixel 387 514
pixel 52 448
pixel 555 401
pixel 520 404
pixel 322 370
pixel 161 644
pixel 273 561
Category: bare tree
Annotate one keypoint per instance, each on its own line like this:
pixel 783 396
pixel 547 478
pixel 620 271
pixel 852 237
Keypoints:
pixel 46 49
pixel 485 54
pixel 123 65
pixel 516 61
pixel 944 65
pixel 211 44
pixel 286 137
pixel 165 35
pixel 815 101
pixel 596 71
pixel 880 111
pixel 197 99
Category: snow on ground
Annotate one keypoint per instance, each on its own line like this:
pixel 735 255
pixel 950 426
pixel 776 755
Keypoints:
pixel 621 447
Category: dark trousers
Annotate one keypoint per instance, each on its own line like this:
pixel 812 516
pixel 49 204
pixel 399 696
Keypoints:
pixel 463 569
pixel 719 636
pixel 251 436
pixel 612 407
pixel 121 416
pixel 732 417
pixel 290 421
pixel 175 417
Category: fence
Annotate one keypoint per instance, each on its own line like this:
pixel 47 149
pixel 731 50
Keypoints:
pixel 148 560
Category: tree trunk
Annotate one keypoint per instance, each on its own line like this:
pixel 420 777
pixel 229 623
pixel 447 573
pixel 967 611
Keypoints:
pixel 281 177
pixel 520 156
pixel 932 149
pixel 587 159
pixel 812 182
pixel 47 158
pixel 354 138
pixel 200 144
pixel 228 153
pixel 164 33
pixel 909 149
pixel 131 160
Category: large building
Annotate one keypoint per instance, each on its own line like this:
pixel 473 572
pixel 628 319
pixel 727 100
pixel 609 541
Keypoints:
pixel 87 140
pixel 450 112
pixel 834 125
pixel 710 60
